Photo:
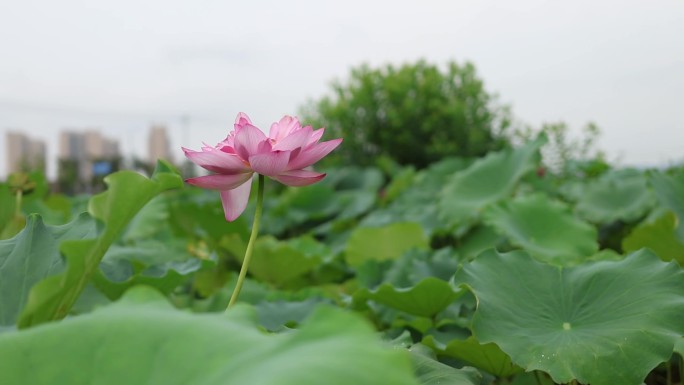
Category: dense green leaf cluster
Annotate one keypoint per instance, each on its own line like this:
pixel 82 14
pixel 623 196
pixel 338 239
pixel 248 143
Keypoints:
pixel 472 272
pixel 414 114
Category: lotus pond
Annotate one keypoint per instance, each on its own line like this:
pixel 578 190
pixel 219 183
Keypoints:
pixel 468 272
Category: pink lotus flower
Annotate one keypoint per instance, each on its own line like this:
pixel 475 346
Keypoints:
pixel 282 155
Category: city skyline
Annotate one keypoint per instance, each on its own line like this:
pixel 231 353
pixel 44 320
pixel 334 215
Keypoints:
pixel 82 154
pixel 158 144
pixel 82 145
pixel 24 152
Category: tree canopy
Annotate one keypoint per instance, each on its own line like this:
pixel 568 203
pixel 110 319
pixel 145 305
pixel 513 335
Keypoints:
pixel 414 113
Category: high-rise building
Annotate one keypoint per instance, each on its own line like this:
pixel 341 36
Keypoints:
pixel 71 145
pixel 86 145
pixel 84 157
pixel 24 153
pixel 158 145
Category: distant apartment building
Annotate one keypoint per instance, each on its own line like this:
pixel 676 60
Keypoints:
pixel 158 144
pixel 84 159
pixel 24 153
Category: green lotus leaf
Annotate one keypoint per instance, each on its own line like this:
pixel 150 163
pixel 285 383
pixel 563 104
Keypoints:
pixel 424 214
pixel 427 298
pixel 531 378
pixel 192 213
pixel 401 181
pixel 670 191
pixel 488 357
pixel 479 239
pixel 279 262
pixel 90 299
pixel 127 193
pixel 11 222
pixel 39 186
pixel 679 347
pixel 54 209
pixel 7 205
pixel 545 228
pixel 571 190
pixel 384 243
pixel 606 255
pixel 355 178
pixel 149 222
pixel 486 181
pixel 432 372
pixel 416 265
pixel 601 323
pixel 354 203
pixel 13 226
pixel 429 370
pixel 31 256
pixel 416 203
pixel 253 292
pixel 278 315
pixel 297 206
pixel 659 236
pixel 142 339
pixel 436 173
pixel 310 247
pixel 614 198
pixel 162 265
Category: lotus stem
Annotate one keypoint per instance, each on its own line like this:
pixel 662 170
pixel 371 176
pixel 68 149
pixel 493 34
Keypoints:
pixel 537 376
pixel 250 244
pixel 17 209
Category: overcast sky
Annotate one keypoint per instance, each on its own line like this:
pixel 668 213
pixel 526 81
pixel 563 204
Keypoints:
pixel 122 65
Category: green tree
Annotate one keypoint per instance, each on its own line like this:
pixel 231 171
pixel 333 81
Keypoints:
pixel 415 114
pixel 67 176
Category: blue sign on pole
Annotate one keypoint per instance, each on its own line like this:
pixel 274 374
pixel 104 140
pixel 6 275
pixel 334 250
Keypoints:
pixel 102 168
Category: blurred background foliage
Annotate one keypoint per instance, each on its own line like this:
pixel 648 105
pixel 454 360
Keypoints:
pixel 416 114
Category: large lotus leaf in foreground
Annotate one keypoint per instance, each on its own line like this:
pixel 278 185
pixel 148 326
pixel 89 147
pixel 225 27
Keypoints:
pixel 485 182
pixel 545 228
pixel 127 193
pixel 32 255
pixel 602 323
pixel 142 339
